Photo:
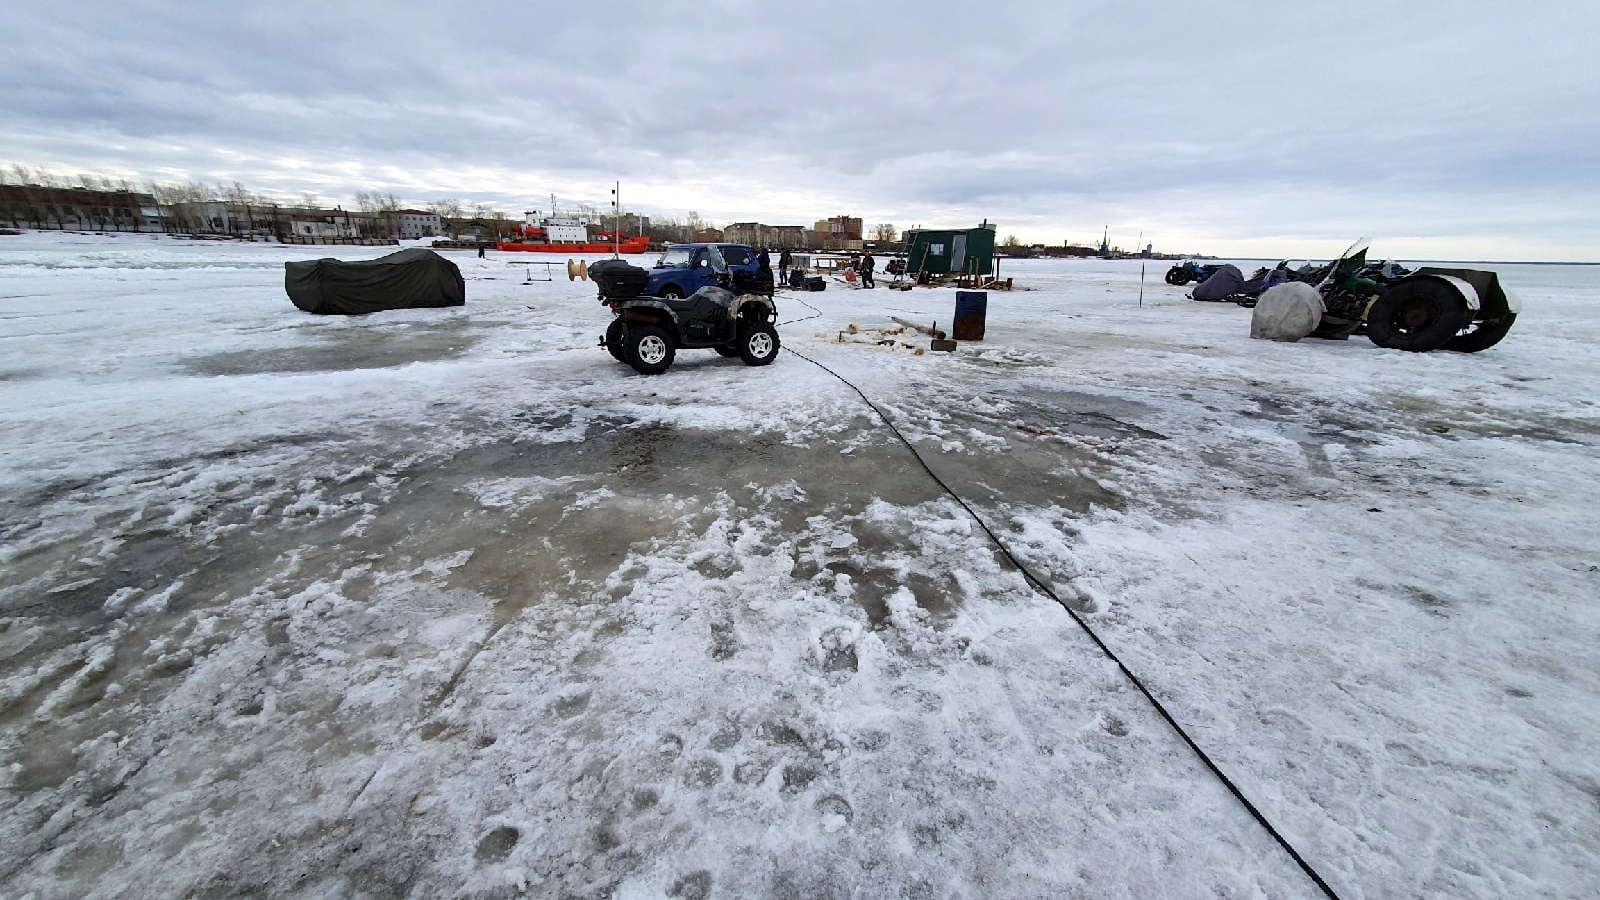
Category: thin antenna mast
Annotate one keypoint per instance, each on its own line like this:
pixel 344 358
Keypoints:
pixel 616 220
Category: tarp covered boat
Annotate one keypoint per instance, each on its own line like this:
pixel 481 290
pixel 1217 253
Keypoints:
pixel 415 278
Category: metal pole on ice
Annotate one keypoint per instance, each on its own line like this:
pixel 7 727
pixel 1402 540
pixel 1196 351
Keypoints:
pixel 616 221
pixel 1137 249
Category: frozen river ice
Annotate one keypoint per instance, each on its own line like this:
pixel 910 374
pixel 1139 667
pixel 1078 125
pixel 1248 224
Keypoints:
pixel 448 603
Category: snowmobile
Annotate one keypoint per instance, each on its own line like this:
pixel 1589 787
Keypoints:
pixel 1228 285
pixel 646 332
pixel 1189 270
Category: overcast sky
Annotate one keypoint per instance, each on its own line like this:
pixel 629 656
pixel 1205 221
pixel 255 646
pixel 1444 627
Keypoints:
pixel 1465 130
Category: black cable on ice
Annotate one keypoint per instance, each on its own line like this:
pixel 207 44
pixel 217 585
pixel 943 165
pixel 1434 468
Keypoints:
pixel 1043 588
pixel 814 314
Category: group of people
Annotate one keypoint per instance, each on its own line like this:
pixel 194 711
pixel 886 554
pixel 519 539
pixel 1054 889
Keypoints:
pixel 864 268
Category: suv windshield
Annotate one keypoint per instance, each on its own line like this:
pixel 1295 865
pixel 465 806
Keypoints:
pixel 675 258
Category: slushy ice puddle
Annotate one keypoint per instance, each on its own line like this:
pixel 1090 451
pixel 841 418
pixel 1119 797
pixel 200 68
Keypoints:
pixel 344 349
pixel 317 569
pixel 101 622
pixel 529 510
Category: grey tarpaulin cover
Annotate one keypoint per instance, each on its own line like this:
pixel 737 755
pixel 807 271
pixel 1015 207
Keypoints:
pixel 1223 282
pixel 1287 312
pixel 405 279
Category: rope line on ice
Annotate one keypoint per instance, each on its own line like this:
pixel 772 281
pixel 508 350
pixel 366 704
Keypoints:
pixel 1043 588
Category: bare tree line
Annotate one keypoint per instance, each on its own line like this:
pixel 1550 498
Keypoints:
pixel 189 205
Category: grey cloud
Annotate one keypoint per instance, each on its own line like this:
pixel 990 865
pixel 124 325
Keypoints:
pixel 1218 120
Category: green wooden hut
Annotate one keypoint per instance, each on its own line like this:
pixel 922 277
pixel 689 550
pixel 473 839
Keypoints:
pixel 944 252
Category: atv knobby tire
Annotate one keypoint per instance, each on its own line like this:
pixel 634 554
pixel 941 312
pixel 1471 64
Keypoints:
pixel 1481 335
pixel 648 349
pixel 758 344
pixel 613 340
pixel 1418 316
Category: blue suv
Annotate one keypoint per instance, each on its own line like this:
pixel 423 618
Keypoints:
pixel 686 268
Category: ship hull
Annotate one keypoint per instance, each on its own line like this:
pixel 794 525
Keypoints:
pixel 628 245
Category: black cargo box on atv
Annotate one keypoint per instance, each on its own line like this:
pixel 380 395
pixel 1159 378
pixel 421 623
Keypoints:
pixel 619 280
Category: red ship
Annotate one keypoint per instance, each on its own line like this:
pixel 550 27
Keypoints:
pixel 562 234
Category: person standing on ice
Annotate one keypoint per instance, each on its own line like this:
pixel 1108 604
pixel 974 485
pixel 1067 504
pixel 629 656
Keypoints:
pixel 784 259
pixel 867 262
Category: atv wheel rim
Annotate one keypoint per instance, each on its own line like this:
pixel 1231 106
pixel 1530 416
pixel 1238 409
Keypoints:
pixel 652 350
pixel 760 344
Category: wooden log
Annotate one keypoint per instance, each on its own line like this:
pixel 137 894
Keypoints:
pixel 931 331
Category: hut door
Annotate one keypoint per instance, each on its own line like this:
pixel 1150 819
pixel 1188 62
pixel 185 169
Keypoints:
pixel 958 253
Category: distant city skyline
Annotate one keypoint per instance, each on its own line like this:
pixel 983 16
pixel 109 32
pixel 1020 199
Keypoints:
pixel 1440 130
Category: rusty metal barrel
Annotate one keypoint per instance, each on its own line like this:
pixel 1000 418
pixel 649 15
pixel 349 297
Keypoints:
pixel 971 309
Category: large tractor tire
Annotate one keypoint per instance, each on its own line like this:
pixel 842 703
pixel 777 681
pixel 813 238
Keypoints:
pixel 1418 316
pixel 758 344
pixel 1177 277
pixel 1481 335
pixel 648 349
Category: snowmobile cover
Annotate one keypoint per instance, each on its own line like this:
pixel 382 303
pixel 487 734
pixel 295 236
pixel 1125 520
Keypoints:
pixel 415 278
pixel 1287 312
pixel 1225 282
pixel 1263 279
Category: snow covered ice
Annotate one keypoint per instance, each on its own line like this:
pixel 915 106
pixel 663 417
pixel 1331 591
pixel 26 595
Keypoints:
pixel 449 603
